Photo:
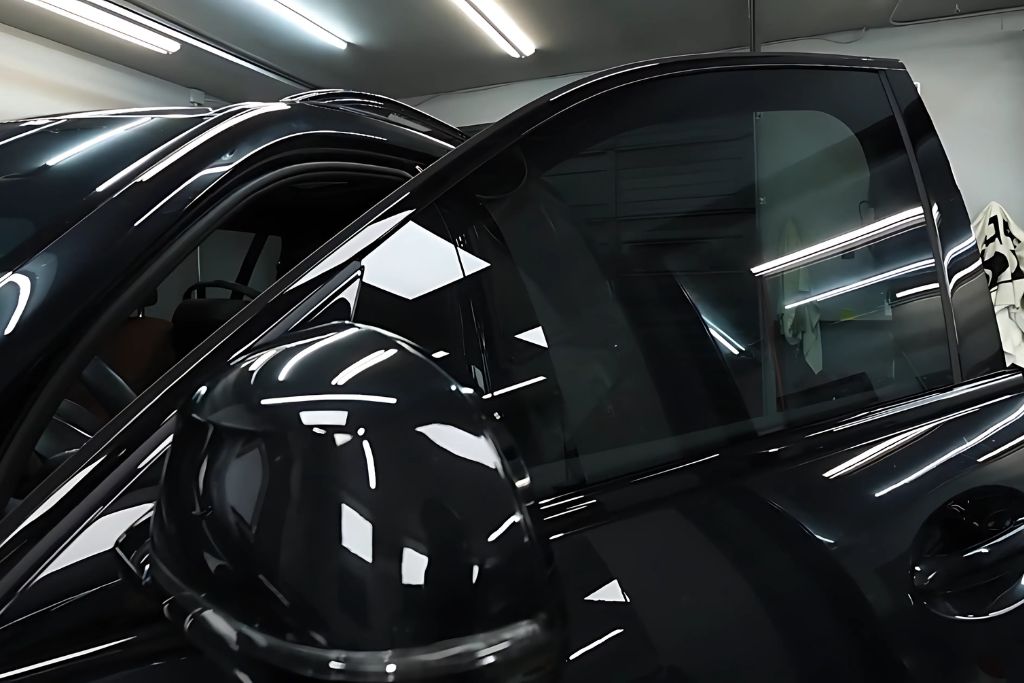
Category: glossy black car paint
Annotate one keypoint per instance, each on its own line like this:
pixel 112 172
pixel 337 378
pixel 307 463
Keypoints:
pixel 436 548
pixel 781 559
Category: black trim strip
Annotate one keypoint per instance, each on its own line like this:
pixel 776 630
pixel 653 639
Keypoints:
pixel 933 234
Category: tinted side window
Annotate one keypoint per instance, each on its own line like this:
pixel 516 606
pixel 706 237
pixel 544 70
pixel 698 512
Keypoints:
pixel 409 287
pixel 694 261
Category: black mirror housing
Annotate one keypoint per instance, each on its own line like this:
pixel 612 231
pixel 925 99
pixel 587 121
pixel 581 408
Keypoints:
pixel 334 506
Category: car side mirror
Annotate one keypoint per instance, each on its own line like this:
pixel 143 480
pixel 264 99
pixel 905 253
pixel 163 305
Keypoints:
pixel 334 506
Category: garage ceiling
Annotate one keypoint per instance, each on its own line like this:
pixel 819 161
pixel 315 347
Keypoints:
pixel 405 48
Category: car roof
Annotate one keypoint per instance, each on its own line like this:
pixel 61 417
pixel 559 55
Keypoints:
pixel 343 101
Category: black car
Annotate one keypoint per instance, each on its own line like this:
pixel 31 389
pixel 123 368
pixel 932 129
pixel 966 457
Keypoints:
pixel 685 372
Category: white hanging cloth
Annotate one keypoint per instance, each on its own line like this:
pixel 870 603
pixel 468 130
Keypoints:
pixel 1001 242
pixel 800 325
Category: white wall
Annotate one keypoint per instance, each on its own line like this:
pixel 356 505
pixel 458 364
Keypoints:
pixel 971 72
pixel 39 76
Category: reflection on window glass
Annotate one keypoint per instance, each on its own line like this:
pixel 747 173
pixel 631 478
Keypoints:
pixel 693 263
pixel 408 288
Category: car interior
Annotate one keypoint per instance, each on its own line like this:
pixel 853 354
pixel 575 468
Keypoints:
pixel 232 265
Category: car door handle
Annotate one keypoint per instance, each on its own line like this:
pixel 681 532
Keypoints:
pixel 979 564
pixel 969 556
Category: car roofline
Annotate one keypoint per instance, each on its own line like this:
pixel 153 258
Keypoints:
pixel 726 60
pixel 392 110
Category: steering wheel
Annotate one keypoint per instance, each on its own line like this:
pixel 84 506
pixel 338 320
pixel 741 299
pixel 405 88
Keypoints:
pixel 199 289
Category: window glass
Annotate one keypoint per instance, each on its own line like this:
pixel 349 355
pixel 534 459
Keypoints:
pixel 409 289
pixel 693 261
pixel 211 284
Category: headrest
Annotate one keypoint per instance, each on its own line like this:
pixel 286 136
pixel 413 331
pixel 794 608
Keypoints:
pixel 196 319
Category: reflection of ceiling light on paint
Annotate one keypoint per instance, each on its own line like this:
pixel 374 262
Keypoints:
pixel 95 140
pixel 309 398
pixel 97 537
pixel 610 592
pixel 534 336
pixel 520 385
pixel 414 567
pixel 331 418
pixel 916 290
pixel 356 533
pixel 600 641
pixel 363 364
pixel 439 354
pixel 458 442
pixel 505 526
pixel 414 261
pixel 371 465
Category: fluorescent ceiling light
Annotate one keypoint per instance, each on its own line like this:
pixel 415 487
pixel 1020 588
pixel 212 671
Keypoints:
pixel 414 262
pixel 498 26
pixel 847 240
pixel 102 20
pixel 534 336
pixel 860 284
pixel 194 42
pixel 287 10
pixel 96 140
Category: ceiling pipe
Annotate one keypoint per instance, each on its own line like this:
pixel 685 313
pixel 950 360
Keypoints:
pixel 755 40
pixel 958 15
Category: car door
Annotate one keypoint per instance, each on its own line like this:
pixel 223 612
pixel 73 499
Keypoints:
pixel 707 524
pixel 707 309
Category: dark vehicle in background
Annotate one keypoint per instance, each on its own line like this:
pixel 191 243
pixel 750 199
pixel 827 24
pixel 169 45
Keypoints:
pixel 684 372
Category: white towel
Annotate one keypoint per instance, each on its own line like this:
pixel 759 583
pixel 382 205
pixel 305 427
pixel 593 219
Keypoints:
pixel 801 324
pixel 1001 242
